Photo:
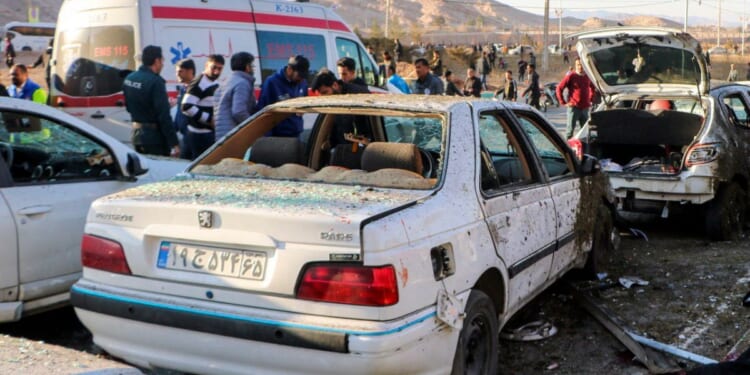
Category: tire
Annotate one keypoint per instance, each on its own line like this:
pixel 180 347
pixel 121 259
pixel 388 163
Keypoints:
pixel 601 244
pixel 476 352
pixel 725 214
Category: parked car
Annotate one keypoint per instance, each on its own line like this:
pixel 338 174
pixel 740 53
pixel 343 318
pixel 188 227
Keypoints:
pixel 52 165
pixel 455 214
pixel 718 50
pixel 517 50
pixel 663 137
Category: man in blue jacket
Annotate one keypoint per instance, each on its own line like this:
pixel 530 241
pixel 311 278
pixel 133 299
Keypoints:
pixel 288 82
pixel 23 87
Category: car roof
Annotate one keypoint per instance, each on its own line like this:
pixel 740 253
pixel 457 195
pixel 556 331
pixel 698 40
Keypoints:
pixel 416 103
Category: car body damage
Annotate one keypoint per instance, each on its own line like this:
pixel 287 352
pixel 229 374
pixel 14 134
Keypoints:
pixel 437 217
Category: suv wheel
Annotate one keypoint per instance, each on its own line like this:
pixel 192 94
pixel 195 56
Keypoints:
pixel 725 215
pixel 476 352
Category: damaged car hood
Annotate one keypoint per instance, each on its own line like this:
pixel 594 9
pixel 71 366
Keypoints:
pixel 644 60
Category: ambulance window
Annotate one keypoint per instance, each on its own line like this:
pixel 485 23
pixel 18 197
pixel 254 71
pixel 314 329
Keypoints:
pixel 91 60
pixel 275 48
pixel 365 67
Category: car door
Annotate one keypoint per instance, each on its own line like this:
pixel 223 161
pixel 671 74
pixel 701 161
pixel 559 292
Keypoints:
pixel 55 171
pixel 8 245
pixel 518 205
pixel 558 165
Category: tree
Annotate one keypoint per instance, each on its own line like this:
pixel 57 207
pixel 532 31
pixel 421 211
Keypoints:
pixel 375 30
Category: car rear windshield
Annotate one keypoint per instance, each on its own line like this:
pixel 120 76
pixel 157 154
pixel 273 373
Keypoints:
pixel 636 64
pixel 389 149
pixel 91 60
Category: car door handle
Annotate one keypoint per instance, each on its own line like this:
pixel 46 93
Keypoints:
pixel 35 210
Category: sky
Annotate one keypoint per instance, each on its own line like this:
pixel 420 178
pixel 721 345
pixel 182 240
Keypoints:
pixel 731 11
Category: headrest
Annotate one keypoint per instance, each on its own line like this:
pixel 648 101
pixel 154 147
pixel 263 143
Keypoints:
pixel 660 104
pixel 277 151
pixel 381 155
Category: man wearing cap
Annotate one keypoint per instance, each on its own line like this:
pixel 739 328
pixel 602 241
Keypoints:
pixel 146 100
pixel 288 82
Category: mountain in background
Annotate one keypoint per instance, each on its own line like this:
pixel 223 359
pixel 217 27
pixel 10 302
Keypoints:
pixel 416 18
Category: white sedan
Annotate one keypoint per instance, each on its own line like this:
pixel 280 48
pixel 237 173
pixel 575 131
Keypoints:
pixel 52 165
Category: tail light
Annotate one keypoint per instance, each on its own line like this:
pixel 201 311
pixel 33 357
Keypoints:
pixel 349 284
pixel 702 153
pixel 103 254
pixel 577 147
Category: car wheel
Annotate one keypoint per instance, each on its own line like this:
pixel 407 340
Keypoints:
pixel 725 214
pixel 476 352
pixel 601 244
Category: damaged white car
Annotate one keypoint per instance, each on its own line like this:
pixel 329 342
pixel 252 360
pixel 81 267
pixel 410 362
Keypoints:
pixel 396 236
pixel 662 137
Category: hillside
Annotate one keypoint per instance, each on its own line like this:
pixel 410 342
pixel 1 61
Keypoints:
pixel 407 15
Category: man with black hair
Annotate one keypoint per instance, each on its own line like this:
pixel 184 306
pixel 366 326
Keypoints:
pixel 533 90
pixel 146 100
pixel 426 83
pixel 347 69
pixel 290 81
pixel 236 99
pixel 472 85
pixel 346 128
pixel 198 106
pixel 185 72
pixel 450 87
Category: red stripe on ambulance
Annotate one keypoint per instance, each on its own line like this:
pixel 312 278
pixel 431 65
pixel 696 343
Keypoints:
pixel 237 16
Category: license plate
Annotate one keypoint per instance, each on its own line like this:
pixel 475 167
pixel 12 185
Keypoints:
pixel 243 264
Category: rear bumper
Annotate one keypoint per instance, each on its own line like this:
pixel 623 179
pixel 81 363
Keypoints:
pixel 693 189
pixel 156 331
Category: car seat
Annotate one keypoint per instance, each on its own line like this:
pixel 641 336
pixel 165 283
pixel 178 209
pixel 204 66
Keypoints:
pixel 380 155
pixel 276 151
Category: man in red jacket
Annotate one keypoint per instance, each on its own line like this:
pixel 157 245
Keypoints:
pixel 580 94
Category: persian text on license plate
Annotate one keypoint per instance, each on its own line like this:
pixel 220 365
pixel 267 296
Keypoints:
pixel 244 264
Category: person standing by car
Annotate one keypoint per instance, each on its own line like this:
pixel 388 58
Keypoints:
pixel 580 95
pixel 288 82
pixel 185 72
pixel 236 100
pixel 747 74
pixel 472 85
pixel 146 100
pixel 10 52
pixel 436 64
pixel 733 74
pixel 198 106
pixel 347 69
pixel 509 91
pixel 426 83
pixel 395 80
pixel 532 79
pixel 23 87
pixel 450 85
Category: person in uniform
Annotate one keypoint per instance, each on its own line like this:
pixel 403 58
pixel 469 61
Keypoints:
pixel 146 100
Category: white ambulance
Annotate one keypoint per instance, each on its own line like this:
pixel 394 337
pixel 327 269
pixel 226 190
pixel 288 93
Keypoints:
pixel 98 42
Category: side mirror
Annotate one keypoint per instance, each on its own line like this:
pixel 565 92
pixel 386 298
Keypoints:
pixel 133 166
pixel 590 165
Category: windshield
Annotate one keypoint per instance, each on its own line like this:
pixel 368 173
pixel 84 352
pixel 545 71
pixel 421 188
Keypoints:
pixel 344 146
pixel 90 61
pixel 637 63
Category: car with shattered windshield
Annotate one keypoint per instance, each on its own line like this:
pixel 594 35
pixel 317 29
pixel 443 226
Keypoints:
pixel 397 234
pixel 665 139
pixel 52 165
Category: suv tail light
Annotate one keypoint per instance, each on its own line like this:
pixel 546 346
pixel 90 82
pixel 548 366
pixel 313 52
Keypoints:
pixel 702 153
pixel 103 254
pixel 349 284
pixel 577 147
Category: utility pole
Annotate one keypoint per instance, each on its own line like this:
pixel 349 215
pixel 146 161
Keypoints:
pixel 684 28
pixel 559 14
pixel 718 27
pixel 387 17
pixel 545 53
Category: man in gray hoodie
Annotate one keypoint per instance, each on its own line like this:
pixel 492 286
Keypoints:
pixel 237 98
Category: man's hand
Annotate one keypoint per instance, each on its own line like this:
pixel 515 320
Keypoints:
pixel 175 151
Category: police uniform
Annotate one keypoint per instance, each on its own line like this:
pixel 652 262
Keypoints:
pixel 146 101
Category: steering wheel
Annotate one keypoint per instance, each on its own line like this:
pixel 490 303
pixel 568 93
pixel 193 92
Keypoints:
pixel 6 152
pixel 428 163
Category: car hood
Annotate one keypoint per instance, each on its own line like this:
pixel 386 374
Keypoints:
pixel 644 60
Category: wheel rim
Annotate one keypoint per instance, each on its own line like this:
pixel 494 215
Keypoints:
pixel 477 345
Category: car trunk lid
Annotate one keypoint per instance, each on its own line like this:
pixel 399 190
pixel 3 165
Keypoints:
pixel 246 234
pixel 644 60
